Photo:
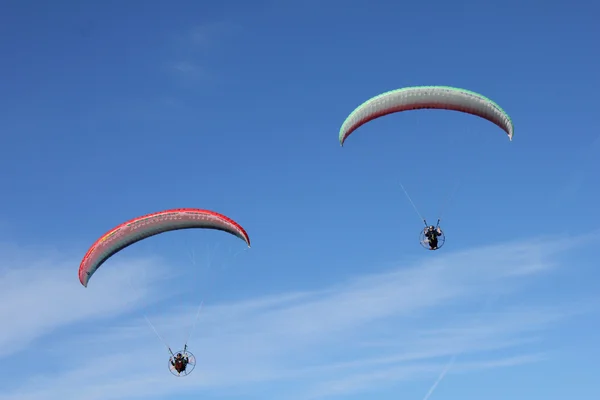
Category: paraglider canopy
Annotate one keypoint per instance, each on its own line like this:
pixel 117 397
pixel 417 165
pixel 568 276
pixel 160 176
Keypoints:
pixel 426 97
pixel 149 225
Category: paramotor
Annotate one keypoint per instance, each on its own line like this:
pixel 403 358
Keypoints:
pixel 432 238
pixel 182 363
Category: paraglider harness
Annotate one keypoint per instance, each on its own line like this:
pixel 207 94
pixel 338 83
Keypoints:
pixel 183 363
pixel 432 237
pixel 180 363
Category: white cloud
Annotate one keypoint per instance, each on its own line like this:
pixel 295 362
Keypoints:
pixel 361 381
pixel 581 172
pixel 197 45
pixel 206 35
pixel 40 296
pixel 370 331
pixel 190 70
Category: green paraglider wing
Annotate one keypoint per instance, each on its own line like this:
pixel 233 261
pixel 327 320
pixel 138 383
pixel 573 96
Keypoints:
pixel 426 97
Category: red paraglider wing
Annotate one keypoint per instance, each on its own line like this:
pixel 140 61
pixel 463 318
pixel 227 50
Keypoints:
pixel 145 226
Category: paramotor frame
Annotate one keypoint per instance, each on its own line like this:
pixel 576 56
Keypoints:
pixel 188 368
pixel 425 241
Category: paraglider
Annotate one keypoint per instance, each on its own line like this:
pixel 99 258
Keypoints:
pixel 427 97
pixel 183 362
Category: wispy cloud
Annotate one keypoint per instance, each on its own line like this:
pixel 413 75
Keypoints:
pixel 208 35
pixel 370 331
pixel 190 70
pixel 40 296
pixel 580 172
pixel 194 48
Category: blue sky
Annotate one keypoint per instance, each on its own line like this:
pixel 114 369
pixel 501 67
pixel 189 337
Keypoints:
pixel 110 110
